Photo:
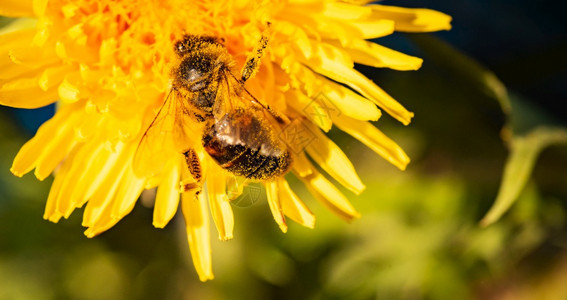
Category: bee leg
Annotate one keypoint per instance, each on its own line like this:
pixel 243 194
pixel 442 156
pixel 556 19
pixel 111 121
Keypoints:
pixel 186 187
pixel 194 166
pixel 253 61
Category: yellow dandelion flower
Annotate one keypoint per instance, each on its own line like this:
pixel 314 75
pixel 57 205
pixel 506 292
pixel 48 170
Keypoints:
pixel 134 102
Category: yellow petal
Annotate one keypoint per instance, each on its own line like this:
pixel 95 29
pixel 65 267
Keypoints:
pixel 44 33
pixel 16 8
pixel 104 223
pixel 344 11
pixel 413 19
pixel 27 157
pixel 71 50
pixel 10 70
pixel 327 65
pixel 374 28
pixel 116 205
pixel 302 165
pixel 92 120
pixel 114 200
pixel 53 76
pixel 93 166
pixel 275 204
pixel 51 208
pixel 326 54
pixel 54 152
pixel 26 93
pixel 69 91
pixel 33 57
pixel 334 161
pixel 306 2
pixel 39 7
pixel 293 207
pixel 310 109
pixel 374 139
pixel 76 34
pixel 317 25
pixel 326 193
pixel 299 77
pixel 16 31
pixel 29 98
pixel 374 55
pixel 358 2
pixel 65 201
pixel 130 189
pixel 167 198
pixel 198 235
pixel 235 186
pixel 293 32
pixel 9 41
pixel 301 20
pixel 220 205
pixel 120 205
pixel 102 198
pixel 346 101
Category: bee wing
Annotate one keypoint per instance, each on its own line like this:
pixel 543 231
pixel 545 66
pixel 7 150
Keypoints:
pixel 162 138
pixel 233 94
pixel 184 132
pixel 244 120
pixel 226 98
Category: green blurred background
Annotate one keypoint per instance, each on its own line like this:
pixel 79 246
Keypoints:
pixel 419 235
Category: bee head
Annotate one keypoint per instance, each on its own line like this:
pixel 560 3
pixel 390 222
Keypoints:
pixel 192 43
pixel 196 70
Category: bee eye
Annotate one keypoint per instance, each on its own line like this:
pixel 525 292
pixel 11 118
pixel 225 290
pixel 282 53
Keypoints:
pixel 180 48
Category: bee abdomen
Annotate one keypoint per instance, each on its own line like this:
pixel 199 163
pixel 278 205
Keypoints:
pixel 243 143
pixel 247 162
pixel 272 166
pixel 252 164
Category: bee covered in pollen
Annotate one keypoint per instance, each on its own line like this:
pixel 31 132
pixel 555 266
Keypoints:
pixel 236 130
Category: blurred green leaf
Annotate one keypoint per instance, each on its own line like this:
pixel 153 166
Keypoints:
pixel 527 131
pixel 519 165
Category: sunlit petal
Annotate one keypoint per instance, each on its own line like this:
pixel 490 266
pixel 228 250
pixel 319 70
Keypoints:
pixel 198 235
pixel 293 207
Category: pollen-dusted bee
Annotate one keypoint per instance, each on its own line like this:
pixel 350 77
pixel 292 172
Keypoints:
pixel 236 130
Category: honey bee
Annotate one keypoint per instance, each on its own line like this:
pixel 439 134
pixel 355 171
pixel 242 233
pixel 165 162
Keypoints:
pixel 236 130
